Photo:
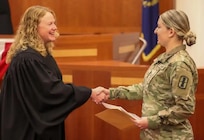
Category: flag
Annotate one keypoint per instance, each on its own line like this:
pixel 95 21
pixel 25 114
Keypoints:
pixel 4 47
pixel 150 14
pixel 5 18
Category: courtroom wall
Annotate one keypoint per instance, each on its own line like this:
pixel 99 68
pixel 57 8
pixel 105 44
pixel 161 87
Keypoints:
pixel 90 16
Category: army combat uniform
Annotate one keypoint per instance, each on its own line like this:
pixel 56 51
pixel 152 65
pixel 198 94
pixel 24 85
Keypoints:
pixel 168 94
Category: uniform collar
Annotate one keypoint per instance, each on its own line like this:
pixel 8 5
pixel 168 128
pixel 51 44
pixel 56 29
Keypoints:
pixel 165 56
pixel 175 50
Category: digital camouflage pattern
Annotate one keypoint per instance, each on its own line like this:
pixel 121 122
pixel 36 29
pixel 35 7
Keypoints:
pixel 168 94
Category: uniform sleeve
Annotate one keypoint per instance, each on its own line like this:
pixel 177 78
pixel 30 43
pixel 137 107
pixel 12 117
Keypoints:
pixel 45 99
pixel 133 92
pixel 183 91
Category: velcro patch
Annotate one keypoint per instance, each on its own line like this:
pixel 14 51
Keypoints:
pixel 183 82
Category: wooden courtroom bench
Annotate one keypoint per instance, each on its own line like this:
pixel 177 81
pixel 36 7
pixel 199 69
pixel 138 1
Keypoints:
pixel 109 74
pixel 83 47
pixel 90 47
pixel 80 47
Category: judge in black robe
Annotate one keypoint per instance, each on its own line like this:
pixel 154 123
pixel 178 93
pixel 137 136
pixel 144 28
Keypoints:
pixel 34 101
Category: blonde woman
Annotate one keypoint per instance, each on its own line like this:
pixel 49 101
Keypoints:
pixel 34 101
pixel 170 83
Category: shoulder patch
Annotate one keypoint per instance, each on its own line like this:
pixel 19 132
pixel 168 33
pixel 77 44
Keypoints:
pixel 183 82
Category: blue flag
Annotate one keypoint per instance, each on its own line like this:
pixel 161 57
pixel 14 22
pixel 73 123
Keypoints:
pixel 150 14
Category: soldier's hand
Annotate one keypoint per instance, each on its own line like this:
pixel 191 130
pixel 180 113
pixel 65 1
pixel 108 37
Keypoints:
pixel 141 123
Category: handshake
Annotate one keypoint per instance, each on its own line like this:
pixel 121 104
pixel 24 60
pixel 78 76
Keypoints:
pixel 100 94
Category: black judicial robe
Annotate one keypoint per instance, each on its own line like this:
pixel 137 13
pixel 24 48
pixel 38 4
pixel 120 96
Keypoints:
pixel 34 101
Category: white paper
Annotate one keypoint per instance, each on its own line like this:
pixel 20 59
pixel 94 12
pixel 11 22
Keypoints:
pixel 110 106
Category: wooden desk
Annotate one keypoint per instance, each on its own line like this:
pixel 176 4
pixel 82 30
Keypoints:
pixel 87 47
pixel 119 73
pixel 81 125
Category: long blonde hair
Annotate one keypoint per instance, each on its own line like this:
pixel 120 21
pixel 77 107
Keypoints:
pixel 27 33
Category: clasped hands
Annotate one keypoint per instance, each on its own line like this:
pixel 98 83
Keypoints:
pixel 100 94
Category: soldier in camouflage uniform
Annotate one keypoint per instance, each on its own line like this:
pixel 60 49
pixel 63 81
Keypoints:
pixel 169 86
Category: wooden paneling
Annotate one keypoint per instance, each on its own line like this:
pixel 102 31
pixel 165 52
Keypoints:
pixel 90 16
pixel 166 5
pixel 197 119
pixel 83 47
pixel 88 47
pixel 88 19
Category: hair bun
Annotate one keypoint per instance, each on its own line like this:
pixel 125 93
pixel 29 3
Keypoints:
pixel 190 38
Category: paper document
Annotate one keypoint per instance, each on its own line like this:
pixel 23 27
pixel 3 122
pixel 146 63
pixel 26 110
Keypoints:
pixel 109 106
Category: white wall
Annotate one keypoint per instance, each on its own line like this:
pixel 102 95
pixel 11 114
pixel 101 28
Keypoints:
pixel 195 11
